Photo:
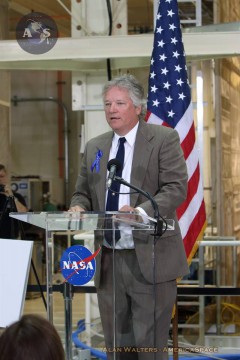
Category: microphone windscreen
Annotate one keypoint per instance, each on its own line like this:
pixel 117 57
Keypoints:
pixel 115 162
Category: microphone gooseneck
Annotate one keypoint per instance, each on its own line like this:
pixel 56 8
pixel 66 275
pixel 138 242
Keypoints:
pixel 159 219
pixel 113 166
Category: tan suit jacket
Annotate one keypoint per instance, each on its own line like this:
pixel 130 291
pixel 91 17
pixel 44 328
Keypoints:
pixel 158 168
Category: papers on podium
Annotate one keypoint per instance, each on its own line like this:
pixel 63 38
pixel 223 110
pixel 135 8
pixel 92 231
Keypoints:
pixel 15 260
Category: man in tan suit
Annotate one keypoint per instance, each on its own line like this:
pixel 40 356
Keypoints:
pixel 145 267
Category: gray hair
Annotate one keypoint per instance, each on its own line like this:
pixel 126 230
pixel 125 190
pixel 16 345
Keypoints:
pixel 132 85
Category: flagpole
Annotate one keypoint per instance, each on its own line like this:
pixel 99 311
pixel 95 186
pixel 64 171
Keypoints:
pixel 155 9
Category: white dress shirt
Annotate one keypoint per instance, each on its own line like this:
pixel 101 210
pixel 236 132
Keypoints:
pixel 126 240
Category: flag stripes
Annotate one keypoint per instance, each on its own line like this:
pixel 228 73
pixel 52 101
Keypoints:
pixel 169 104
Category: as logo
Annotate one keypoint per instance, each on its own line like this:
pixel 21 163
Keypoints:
pixel 78 265
pixel 36 33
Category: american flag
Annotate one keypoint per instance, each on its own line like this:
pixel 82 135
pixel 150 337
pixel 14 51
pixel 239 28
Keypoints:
pixel 169 104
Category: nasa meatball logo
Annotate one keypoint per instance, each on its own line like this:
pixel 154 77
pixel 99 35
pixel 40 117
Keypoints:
pixel 78 265
pixel 36 33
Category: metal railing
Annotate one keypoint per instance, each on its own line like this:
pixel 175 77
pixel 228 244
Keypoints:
pixel 199 289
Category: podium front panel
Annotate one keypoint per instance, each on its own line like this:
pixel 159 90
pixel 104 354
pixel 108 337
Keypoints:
pixel 100 325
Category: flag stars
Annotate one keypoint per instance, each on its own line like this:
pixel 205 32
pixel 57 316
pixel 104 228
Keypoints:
pixel 159 29
pixel 179 82
pixel 161 43
pixel 174 41
pixel 168 88
pixel 178 68
pixel 152 75
pixel 166 85
pixel 172 27
pixel 176 54
pixel 153 88
pixel 169 99
pixel 164 71
pixel 156 103
pixel 181 96
pixel 171 113
pixel 162 57
pixel 170 13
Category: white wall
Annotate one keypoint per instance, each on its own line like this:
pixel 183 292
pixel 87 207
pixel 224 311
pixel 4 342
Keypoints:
pixel 34 129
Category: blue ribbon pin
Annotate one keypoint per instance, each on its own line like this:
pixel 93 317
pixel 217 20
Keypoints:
pixel 96 163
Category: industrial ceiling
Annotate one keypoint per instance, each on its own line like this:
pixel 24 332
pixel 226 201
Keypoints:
pixel 133 49
pixel 140 14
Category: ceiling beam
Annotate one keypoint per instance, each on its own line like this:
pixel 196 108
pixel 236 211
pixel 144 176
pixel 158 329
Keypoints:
pixel 197 46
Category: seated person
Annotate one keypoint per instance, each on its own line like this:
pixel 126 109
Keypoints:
pixel 9 202
pixel 31 338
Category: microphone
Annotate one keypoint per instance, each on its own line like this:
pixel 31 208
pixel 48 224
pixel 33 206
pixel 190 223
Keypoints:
pixel 113 166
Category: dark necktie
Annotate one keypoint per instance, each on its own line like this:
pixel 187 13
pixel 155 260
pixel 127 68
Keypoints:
pixel 113 192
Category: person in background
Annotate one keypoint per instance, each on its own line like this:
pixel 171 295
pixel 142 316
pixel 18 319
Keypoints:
pixel 5 189
pixel 146 268
pixel 31 338
pixel 9 202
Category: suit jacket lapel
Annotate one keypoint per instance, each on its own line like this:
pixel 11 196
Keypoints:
pixel 142 152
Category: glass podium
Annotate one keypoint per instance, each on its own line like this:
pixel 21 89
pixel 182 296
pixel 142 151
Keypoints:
pixel 81 223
